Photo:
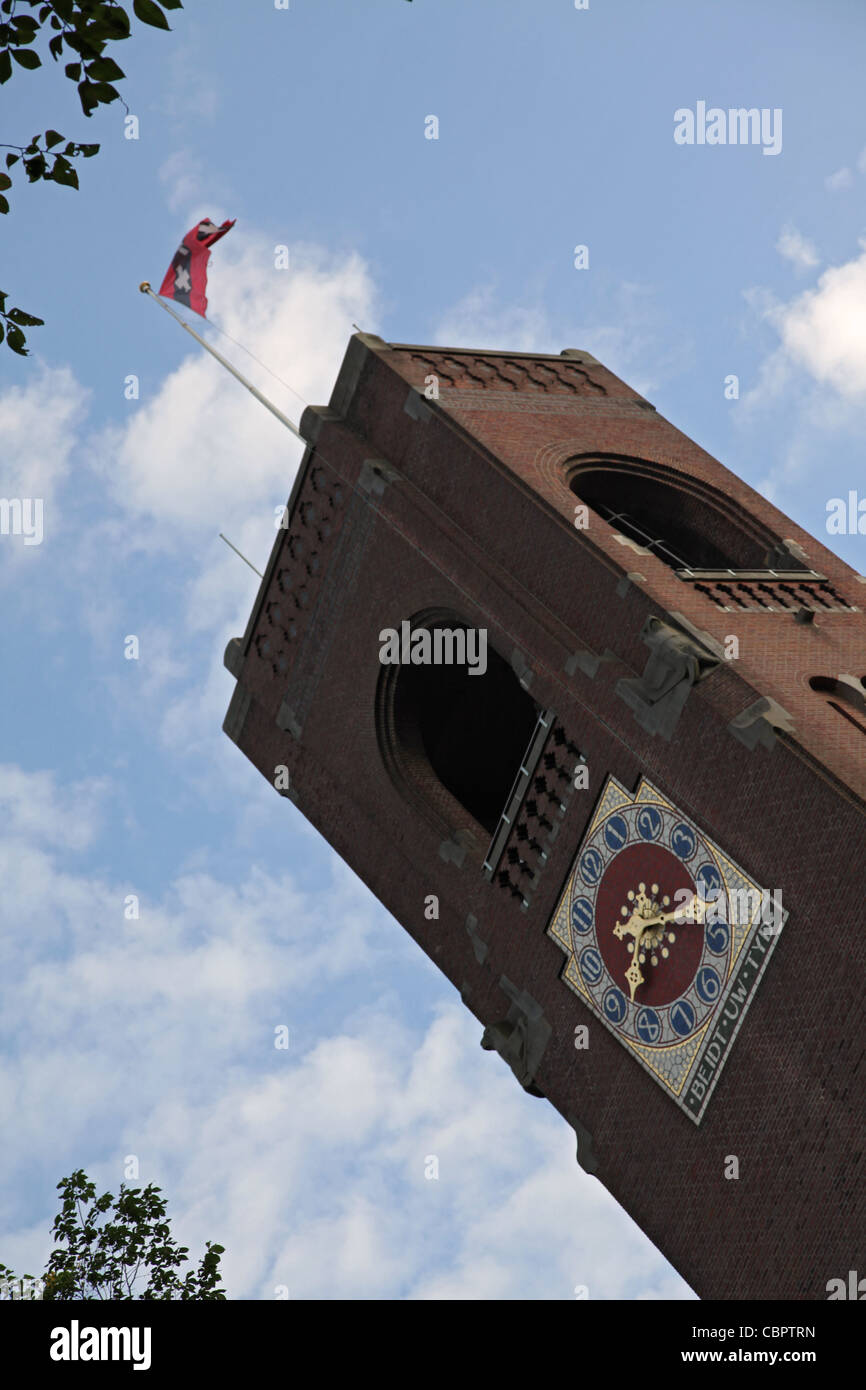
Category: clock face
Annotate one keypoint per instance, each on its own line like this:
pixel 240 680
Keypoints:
pixel 666 939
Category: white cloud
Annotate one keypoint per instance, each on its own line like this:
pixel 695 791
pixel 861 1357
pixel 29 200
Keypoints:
pixel 202 449
pixel 821 331
pixel 842 179
pixel 824 329
pixel 627 341
pixel 797 249
pixel 155 1038
pixel 38 424
pixel 190 91
pixel 33 808
pixel 478 321
pixel 188 185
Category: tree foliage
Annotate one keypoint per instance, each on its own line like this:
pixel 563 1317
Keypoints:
pixel 80 30
pixel 128 1254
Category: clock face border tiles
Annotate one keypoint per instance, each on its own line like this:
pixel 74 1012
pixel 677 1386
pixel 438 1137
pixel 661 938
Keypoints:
pixel 687 1070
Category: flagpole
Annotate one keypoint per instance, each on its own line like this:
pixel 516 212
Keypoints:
pixel 284 419
pixel 243 557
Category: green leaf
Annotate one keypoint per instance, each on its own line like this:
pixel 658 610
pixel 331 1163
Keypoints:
pixel 86 44
pixel 88 150
pixel 112 24
pixel 5 65
pixel 26 58
pixel 4 204
pixel 5 181
pixel 104 70
pixel 52 137
pixel 16 340
pixel 73 70
pixel 12 159
pixel 105 92
pixel 89 45
pixel 80 45
pixel 172 4
pixel 64 8
pixel 88 97
pixel 2 332
pixel 27 321
pixel 149 13
pixel 55 46
pixel 64 173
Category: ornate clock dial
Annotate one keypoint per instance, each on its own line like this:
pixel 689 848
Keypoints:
pixel 661 930
pixel 642 882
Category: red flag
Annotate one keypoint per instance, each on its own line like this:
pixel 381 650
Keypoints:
pixel 186 278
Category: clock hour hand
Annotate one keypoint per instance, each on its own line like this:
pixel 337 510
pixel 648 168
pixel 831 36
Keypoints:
pixel 636 927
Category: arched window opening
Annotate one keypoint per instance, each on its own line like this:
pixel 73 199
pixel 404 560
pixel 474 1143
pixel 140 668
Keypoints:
pixel 844 697
pixel 693 530
pixel 452 727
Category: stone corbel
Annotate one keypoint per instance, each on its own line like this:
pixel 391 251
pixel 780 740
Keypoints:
pixel 755 725
pixel 521 1037
pixel 677 661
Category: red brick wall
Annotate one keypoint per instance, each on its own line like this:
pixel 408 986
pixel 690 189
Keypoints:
pixel 478 521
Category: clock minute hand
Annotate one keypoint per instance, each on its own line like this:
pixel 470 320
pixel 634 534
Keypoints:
pixel 678 914
pixel 696 903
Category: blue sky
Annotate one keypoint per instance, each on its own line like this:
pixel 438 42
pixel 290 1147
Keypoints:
pixel 154 1037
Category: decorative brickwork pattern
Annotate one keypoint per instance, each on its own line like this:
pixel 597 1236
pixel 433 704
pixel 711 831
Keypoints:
pixel 307 550
pixel 470 372
pixel 774 595
pixel 544 803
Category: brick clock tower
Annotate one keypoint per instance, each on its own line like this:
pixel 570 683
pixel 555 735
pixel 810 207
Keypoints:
pixel 524 648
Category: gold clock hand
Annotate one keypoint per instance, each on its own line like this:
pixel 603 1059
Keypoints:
pixel 634 974
pixel 637 926
pixel 634 927
pixel 678 914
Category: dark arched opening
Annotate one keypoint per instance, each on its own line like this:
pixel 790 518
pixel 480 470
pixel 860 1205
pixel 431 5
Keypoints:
pixel 688 527
pixel 461 728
